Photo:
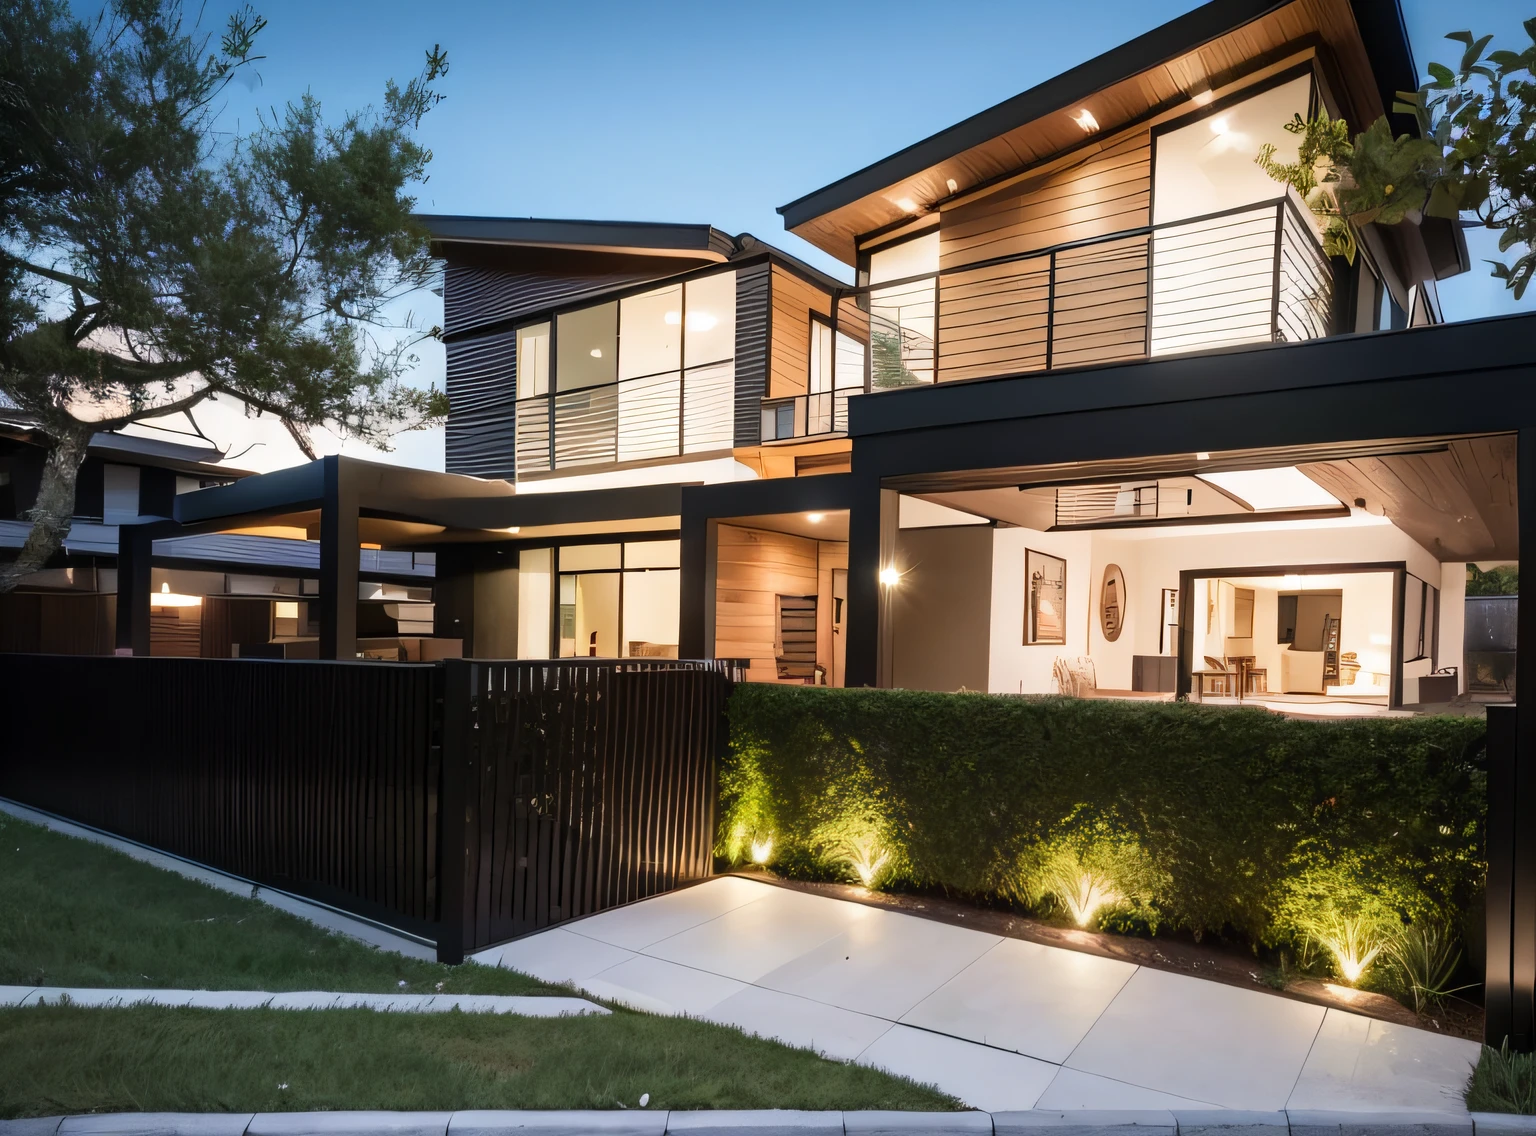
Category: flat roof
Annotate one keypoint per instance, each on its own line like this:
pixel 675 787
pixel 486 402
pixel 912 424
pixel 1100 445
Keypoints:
pixel 644 238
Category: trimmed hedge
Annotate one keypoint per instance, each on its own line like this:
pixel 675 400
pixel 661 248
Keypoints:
pixel 1216 820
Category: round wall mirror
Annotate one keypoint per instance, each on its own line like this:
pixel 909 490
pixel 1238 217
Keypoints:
pixel 1112 602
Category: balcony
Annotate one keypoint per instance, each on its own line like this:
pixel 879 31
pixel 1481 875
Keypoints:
pixel 1256 274
pixel 636 420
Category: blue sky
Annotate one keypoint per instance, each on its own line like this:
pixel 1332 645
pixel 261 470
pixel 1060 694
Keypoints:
pixel 719 112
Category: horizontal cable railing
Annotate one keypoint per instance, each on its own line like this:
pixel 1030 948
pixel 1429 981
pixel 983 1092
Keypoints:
pixel 650 417
pixel 1253 274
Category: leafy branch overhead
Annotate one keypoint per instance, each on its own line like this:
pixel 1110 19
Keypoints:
pixel 151 260
pixel 1476 153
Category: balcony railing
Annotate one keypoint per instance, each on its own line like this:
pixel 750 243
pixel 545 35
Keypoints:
pixel 650 418
pixel 1086 504
pixel 1255 274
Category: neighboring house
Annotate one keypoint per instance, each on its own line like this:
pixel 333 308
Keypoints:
pixel 208 588
pixel 1096 414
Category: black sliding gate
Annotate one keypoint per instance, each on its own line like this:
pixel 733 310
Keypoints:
pixel 466 802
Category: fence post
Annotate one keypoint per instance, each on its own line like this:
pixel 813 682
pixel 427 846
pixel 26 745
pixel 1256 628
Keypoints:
pixel 454 800
pixel 1498 983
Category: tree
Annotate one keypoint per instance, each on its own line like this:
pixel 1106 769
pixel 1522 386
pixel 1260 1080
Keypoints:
pixel 150 262
pixel 1477 154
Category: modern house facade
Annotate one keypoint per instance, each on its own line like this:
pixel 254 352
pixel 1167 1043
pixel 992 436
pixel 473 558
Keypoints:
pixel 1096 413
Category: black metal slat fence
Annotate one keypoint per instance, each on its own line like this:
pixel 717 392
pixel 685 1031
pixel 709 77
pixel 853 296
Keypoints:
pixel 466 802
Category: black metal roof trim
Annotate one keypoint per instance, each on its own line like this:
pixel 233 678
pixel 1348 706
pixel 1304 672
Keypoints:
pixel 641 236
pixel 1381 27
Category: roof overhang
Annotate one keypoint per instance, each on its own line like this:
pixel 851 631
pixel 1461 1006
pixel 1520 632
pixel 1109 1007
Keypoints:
pixel 1168 66
pixel 630 238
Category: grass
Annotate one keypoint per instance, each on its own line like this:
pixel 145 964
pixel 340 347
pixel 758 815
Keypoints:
pixel 70 1060
pixel 73 913
pixel 1503 1081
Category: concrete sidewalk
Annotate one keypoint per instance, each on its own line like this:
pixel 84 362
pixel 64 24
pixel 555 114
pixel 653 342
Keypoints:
pixel 527 1006
pixel 1000 1023
pixel 639 1122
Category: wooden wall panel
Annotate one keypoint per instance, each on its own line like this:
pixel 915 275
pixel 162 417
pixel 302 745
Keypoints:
pixel 1109 192
pixel 176 632
pixel 993 321
pixel 793 302
pixel 227 621
pixel 753 568
pixel 830 554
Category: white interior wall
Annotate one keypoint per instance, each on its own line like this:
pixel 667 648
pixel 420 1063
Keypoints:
pixel 651 607
pixel 1014 668
pixel 1151 561
pixel 1453 619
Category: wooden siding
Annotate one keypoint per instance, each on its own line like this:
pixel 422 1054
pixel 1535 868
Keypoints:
pixel 230 621
pixel 994 320
pixel 58 623
pixel 1109 192
pixel 752 332
pixel 753 568
pixel 793 302
pixel 1101 303
pixel 176 632
pixel 482 395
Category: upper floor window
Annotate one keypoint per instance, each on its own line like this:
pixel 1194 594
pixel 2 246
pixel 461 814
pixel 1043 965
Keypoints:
pixel 533 360
pixel 904 315
pixel 1207 165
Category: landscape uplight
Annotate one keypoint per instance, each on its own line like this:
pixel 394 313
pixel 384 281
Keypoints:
pixel 762 850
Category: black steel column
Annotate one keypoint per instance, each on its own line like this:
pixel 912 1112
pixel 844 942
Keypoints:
pixel 693 620
pixel 1499 1021
pixel 135 551
pixel 1523 900
pixel 862 652
pixel 338 563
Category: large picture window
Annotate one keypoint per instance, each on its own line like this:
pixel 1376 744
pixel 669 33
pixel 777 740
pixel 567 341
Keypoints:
pixel 903 317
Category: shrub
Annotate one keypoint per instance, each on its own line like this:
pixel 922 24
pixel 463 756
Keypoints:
pixel 1503 1081
pixel 1212 819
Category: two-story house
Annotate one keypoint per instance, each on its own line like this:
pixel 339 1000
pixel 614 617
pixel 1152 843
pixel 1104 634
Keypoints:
pixel 1095 414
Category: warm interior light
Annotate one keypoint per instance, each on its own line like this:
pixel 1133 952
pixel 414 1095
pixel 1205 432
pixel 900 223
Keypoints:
pixel 701 321
pixel 597 352
pixel 286 609
pixel 167 598
pixel 815 518
pixel 762 850
pixel 906 205
pixel 672 319
pixel 1085 119
pixel 1220 125
pixel 890 577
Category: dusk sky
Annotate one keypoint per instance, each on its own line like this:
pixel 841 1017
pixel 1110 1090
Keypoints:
pixel 711 113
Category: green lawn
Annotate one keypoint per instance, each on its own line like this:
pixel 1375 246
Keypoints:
pixel 74 913
pixel 70 1060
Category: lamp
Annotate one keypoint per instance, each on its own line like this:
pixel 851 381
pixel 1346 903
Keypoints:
pixel 167 598
pixel 890 577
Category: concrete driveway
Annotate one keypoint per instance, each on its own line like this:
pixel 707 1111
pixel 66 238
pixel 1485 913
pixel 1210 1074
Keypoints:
pixel 1000 1023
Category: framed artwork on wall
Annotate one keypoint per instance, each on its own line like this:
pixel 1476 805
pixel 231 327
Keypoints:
pixel 1112 603
pixel 1045 598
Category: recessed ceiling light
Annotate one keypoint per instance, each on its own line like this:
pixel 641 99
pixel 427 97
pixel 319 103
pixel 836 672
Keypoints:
pixel 1203 456
pixel 954 186
pixel 701 321
pixel 1220 125
pixel 597 352
pixel 512 529
pixel 672 319
pixel 906 205
pixel 1084 118
pixel 815 518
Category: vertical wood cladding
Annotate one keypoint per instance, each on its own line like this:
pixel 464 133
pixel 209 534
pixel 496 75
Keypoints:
pixel 793 302
pixel 752 330
pixel 482 403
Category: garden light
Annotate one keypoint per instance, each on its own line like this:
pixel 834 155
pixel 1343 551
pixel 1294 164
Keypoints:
pixel 1354 945
pixel 762 850
pixel 1086 895
pixel 866 858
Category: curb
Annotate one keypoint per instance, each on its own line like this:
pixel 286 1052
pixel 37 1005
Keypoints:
pixel 780 1122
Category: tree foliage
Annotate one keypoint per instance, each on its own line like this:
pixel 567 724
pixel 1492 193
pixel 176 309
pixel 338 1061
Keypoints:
pixel 151 261
pixel 1476 153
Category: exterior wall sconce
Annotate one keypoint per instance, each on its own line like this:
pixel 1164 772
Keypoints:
pixel 889 577
pixel 1084 118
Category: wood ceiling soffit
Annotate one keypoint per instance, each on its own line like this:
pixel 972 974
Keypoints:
pixel 1116 106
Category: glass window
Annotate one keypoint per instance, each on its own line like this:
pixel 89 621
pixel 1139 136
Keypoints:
pixel 821 357
pixel 587 347
pixel 909 258
pixel 589 615
pixel 849 362
pixel 533 360
pixel 588 557
pixel 651 333
pixel 711 330
pixel 533 598
pixel 1208 166
pixel 653 554
pixel 651 613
